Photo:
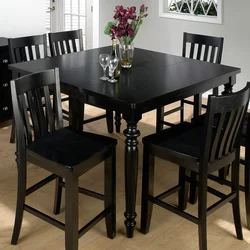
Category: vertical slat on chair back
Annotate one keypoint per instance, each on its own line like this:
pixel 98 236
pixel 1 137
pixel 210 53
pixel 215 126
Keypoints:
pixel 29 93
pixel 65 42
pixel 205 48
pixel 28 48
pixel 224 119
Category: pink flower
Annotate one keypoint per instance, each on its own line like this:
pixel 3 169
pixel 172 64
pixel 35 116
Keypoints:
pixel 127 23
pixel 118 11
pixel 142 8
pixel 131 12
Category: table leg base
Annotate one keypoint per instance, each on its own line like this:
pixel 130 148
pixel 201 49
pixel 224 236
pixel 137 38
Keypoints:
pixel 130 232
pixel 130 224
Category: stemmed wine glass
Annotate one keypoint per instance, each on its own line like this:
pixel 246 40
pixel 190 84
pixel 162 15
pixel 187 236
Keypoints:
pixel 104 61
pixel 113 63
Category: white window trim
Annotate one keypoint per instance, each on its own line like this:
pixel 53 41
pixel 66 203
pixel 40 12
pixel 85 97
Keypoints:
pixel 189 17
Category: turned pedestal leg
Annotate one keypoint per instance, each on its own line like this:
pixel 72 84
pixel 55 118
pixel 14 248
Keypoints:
pixel 131 172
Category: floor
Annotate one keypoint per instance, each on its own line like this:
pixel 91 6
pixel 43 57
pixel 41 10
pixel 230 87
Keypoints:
pixel 168 231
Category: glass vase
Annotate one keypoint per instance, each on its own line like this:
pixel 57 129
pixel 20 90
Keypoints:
pixel 126 54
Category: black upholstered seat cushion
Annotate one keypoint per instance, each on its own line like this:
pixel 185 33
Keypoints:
pixel 70 148
pixel 184 138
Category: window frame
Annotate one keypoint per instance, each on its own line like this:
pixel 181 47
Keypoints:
pixel 163 13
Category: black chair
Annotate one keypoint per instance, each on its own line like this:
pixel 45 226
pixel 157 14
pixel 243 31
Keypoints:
pixel 68 42
pixel 202 149
pixel 65 153
pixel 24 49
pixel 245 142
pixel 224 172
pixel 205 48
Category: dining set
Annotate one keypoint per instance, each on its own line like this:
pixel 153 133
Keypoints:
pixel 206 148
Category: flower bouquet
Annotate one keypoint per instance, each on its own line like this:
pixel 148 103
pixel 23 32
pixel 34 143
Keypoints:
pixel 125 27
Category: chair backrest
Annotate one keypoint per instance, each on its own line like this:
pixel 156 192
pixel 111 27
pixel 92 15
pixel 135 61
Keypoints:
pixel 27 48
pixel 223 124
pixel 33 106
pixel 205 48
pixel 65 42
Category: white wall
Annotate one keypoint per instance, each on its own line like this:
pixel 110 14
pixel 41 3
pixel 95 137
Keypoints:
pixel 165 35
pixel 22 17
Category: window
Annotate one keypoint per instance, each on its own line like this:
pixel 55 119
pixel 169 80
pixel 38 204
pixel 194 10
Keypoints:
pixel 75 16
pixel 193 10
pixel 69 15
pixel 48 16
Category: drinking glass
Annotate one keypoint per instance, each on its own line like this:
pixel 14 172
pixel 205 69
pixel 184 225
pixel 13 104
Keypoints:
pixel 104 61
pixel 113 63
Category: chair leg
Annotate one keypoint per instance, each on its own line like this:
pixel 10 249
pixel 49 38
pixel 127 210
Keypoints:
pixel 109 120
pixel 110 194
pixel 183 192
pixel 13 132
pixel 193 193
pixel 71 212
pixel 215 91
pixel 118 121
pixel 202 211
pixel 197 105
pixel 235 201
pixel 247 185
pixel 58 195
pixel 21 194
pixel 147 189
pixel 223 173
pixel 182 111
pixel 159 119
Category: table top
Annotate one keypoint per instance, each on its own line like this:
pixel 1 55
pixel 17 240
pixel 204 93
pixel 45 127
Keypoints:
pixel 154 77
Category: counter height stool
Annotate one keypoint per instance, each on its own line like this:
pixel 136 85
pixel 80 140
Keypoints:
pixel 199 47
pixel 66 42
pixel 224 172
pixel 202 149
pixel 23 49
pixel 65 153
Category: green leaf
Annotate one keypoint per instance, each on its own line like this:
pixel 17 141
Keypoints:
pixel 107 28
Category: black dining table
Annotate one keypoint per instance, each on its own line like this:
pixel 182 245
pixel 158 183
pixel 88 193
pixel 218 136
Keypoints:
pixel 155 79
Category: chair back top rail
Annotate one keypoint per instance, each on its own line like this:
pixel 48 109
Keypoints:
pixel 33 106
pixel 65 42
pixel 209 47
pixel 28 48
pixel 224 119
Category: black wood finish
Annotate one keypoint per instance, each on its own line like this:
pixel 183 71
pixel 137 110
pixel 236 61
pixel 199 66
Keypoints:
pixel 142 88
pixel 202 149
pixel 28 48
pixel 245 142
pixel 66 153
pixel 5 77
pixel 199 47
pixel 131 173
pixel 66 42
pixel 222 178
pixel 118 119
pixel 24 49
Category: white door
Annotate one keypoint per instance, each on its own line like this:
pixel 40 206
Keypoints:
pixel 51 14
pixel 71 15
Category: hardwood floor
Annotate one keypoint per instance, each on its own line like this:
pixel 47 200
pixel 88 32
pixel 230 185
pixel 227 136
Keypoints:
pixel 168 231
